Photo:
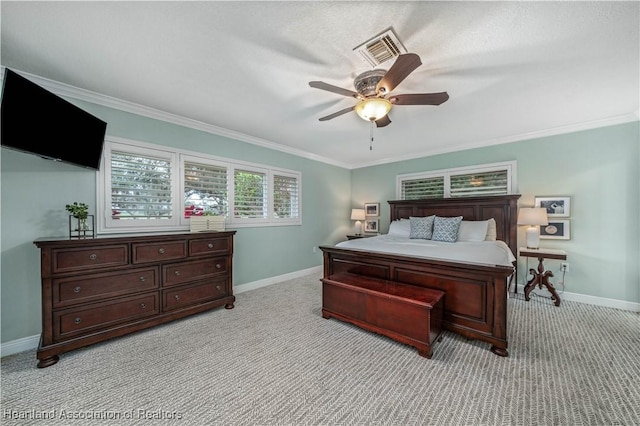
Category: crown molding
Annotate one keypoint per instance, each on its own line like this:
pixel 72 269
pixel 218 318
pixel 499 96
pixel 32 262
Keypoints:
pixel 554 131
pixel 68 91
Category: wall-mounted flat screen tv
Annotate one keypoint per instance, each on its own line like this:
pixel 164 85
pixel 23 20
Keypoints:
pixel 36 121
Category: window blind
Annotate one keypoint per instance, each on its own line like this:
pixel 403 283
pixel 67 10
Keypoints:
pixel 479 184
pixel 472 181
pixel 205 189
pixel 250 194
pixel 140 187
pixel 285 197
pixel 423 188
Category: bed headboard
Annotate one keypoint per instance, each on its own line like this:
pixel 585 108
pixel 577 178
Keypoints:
pixel 503 208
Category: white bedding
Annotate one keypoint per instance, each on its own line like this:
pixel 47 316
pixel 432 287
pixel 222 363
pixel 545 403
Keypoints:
pixel 483 252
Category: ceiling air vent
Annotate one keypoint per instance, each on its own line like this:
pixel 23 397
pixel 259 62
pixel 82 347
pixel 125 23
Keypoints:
pixel 381 48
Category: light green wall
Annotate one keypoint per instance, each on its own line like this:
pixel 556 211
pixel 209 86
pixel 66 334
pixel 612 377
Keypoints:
pixel 35 191
pixel 597 168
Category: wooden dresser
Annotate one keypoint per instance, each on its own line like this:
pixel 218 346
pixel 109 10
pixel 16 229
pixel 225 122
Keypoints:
pixel 100 288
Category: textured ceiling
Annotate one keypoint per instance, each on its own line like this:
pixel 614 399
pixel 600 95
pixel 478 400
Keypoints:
pixel 513 70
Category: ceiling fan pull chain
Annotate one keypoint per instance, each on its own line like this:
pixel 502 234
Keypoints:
pixel 371 134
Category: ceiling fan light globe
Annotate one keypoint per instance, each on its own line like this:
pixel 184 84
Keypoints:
pixel 372 109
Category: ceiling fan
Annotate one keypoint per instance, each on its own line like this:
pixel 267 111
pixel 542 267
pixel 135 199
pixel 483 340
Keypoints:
pixel 373 88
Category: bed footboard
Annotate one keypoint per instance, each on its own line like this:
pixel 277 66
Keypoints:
pixel 475 305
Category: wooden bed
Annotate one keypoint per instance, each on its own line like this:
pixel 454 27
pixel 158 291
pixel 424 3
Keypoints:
pixel 475 302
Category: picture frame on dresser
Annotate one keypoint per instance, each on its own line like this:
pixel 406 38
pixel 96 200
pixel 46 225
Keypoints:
pixel 557 206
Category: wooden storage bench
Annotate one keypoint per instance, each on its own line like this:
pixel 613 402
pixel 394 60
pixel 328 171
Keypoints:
pixel 403 312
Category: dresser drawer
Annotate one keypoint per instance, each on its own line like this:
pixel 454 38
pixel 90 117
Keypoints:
pixel 211 245
pixel 193 294
pixel 71 322
pixel 182 272
pixel 69 260
pixel 158 252
pixel 89 288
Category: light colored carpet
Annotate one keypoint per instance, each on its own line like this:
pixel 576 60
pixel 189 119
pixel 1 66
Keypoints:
pixel 273 360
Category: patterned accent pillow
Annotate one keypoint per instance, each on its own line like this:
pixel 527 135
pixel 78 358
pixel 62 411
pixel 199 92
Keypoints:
pixel 421 227
pixel 446 229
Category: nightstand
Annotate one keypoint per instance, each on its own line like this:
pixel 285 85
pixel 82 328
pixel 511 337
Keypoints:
pixel 541 277
pixel 356 236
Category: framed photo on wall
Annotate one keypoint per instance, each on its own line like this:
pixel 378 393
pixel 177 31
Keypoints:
pixel 372 209
pixel 556 206
pixel 371 225
pixel 556 230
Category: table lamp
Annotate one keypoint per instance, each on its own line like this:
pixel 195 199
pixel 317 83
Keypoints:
pixel 534 217
pixel 357 215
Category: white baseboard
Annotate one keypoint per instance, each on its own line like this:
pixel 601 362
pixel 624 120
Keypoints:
pixel 31 342
pixel 19 345
pixel 273 280
pixel 593 300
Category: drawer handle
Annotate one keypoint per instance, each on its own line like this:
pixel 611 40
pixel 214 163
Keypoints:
pixel 218 287
pixel 177 297
pixel 210 245
pixel 143 305
pixel 218 266
pixel 77 320
pixel 141 278
pixel 93 256
pixel 76 289
pixel 161 250
pixel 177 273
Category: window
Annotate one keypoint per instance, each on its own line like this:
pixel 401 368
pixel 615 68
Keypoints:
pixel 426 187
pixel 488 179
pixel 286 197
pixel 250 200
pixel 205 188
pixel 143 187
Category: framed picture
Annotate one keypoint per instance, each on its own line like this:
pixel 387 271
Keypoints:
pixel 556 206
pixel 556 230
pixel 372 209
pixel 371 225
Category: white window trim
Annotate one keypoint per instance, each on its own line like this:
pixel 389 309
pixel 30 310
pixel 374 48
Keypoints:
pixel 510 166
pixel 104 222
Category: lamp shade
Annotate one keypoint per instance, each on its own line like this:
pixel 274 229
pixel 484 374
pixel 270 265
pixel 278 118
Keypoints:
pixel 357 214
pixel 372 109
pixel 533 216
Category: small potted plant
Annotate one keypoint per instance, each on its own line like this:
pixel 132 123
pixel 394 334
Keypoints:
pixel 79 211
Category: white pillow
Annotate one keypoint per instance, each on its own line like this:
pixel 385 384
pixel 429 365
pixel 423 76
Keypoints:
pixel 492 233
pixel 473 230
pixel 400 228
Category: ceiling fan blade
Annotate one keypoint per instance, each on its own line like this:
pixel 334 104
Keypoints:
pixel 401 68
pixel 336 114
pixel 331 88
pixel 384 121
pixel 420 99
